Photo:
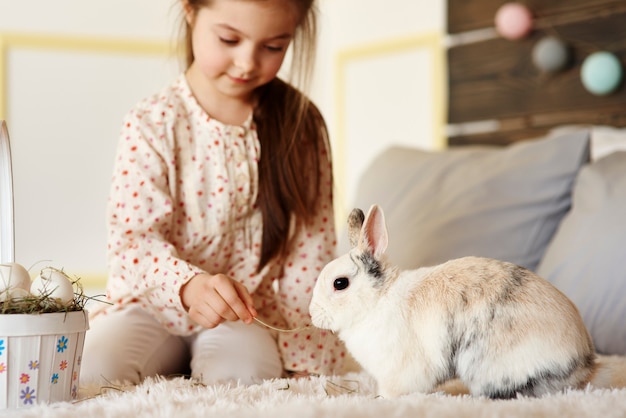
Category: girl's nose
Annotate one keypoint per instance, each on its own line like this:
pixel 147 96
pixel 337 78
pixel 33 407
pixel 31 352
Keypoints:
pixel 245 60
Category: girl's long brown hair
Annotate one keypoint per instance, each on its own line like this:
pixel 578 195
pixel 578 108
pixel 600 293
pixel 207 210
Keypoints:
pixel 293 136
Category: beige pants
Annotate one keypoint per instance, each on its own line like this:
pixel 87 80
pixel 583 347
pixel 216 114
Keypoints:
pixel 129 345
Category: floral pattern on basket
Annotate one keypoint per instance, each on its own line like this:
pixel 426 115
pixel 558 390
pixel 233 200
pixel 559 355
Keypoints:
pixel 39 368
pixel 27 395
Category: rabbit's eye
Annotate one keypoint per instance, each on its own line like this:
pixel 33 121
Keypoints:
pixel 341 283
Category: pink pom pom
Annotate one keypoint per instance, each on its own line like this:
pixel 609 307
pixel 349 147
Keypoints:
pixel 513 21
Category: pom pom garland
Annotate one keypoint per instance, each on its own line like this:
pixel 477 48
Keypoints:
pixel 550 55
pixel 513 21
pixel 601 73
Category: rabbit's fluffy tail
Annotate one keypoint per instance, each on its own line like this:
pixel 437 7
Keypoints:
pixel 611 372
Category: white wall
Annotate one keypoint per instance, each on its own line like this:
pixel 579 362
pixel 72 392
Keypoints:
pixel 139 19
pixel 68 87
pixel 384 82
pixel 71 71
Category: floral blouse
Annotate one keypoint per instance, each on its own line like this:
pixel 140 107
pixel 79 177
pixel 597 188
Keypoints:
pixel 182 202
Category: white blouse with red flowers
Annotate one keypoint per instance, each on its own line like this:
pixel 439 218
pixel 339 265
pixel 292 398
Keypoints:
pixel 182 201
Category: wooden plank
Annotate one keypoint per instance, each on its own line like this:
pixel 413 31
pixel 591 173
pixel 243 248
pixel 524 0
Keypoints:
pixel 533 126
pixel 467 15
pixel 496 79
pixel 500 138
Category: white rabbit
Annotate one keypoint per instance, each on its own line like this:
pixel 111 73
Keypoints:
pixel 496 326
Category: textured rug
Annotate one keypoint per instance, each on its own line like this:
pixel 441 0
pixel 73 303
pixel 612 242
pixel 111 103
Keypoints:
pixel 351 395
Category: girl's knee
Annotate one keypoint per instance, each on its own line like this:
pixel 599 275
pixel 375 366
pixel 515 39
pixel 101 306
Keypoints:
pixel 126 347
pixel 102 365
pixel 235 352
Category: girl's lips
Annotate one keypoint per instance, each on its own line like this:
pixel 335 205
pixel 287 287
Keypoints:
pixel 239 80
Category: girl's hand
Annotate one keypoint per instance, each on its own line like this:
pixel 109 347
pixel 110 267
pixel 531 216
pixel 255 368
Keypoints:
pixel 213 299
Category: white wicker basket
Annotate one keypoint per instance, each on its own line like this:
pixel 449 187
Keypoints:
pixel 40 356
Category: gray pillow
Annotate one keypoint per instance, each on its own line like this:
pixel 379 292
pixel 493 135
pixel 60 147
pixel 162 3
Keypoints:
pixel 498 202
pixel 587 254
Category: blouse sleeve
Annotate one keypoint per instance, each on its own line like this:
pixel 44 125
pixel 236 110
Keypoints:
pixel 143 261
pixel 312 350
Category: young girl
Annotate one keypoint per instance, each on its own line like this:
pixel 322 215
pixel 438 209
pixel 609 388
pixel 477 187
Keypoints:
pixel 220 210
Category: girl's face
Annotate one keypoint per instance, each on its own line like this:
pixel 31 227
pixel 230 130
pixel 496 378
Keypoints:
pixel 240 45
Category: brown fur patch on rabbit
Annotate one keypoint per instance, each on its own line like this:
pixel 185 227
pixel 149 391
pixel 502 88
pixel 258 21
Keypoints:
pixel 498 327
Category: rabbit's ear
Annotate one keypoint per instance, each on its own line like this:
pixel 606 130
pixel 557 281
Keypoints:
pixel 355 221
pixel 373 236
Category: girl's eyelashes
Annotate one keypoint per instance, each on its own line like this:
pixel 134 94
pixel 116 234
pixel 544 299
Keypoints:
pixel 229 41
pixel 273 48
pixel 234 42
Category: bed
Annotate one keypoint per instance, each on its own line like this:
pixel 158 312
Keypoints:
pixel 535 173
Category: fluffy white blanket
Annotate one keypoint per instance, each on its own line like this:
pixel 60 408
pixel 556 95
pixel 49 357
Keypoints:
pixel 351 395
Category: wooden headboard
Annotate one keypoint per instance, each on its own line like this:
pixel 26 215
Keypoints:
pixel 495 80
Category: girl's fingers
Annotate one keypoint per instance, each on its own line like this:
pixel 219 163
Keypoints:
pixel 218 307
pixel 217 299
pixel 246 297
pixel 232 298
pixel 212 313
pixel 204 316
pixel 209 318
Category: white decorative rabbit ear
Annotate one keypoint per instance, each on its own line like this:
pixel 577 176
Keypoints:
pixel 355 221
pixel 373 237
